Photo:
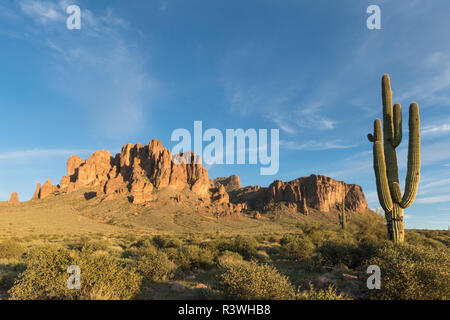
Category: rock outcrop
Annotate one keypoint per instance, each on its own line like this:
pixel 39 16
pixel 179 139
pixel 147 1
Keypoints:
pixel 136 169
pixel 47 189
pixel 14 199
pixel 319 192
pixel 139 170
pixel 221 195
pixel 230 183
pixel 36 192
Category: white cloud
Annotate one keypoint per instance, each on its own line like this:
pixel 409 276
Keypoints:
pixel 436 152
pixel 40 153
pixel 97 67
pixel 44 12
pixel 315 145
pixel 434 199
pixel 434 186
pixel 434 83
pixel 436 129
pixel 252 85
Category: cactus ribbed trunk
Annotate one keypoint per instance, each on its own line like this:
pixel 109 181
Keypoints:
pixel 395 224
pixel 386 138
pixel 342 217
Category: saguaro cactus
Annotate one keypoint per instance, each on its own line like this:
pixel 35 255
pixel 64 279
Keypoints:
pixel 342 215
pixel 385 161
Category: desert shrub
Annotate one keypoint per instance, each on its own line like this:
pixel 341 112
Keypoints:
pixel 273 250
pixel 368 226
pixel 351 254
pixel 9 274
pixel 137 252
pixel 245 246
pixel 156 266
pixel 46 277
pixel 251 281
pixel 336 252
pixel 416 238
pixel 323 294
pixel 228 257
pixel 297 247
pixel 144 242
pixel 412 272
pixel 365 249
pixel 274 239
pixel 315 233
pixel 167 242
pixel 192 257
pixel 260 237
pixel 10 249
pixel 92 246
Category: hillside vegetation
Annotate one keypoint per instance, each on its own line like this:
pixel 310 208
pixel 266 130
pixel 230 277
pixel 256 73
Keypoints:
pixel 167 250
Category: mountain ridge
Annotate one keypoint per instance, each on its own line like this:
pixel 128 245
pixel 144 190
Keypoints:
pixel 139 170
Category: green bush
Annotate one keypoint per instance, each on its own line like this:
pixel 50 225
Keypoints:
pixel 416 238
pixel 251 281
pixel 92 246
pixel 332 253
pixel 351 254
pixel 324 294
pixel 245 246
pixel 297 247
pixel 9 274
pixel 412 272
pixel 156 266
pixel 167 242
pixel 46 277
pixel 192 257
pixel 138 252
pixel 316 233
pixel 10 249
pixel 229 257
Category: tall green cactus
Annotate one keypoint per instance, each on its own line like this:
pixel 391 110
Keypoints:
pixel 385 161
pixel 342 215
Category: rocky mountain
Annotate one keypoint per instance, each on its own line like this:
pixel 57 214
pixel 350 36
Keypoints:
pixel 14 199
pixel 138 171
pixel 319 192
pixel 230 183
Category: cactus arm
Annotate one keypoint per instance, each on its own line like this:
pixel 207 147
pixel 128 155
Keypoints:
pixel 388 131
pixel 385 161
pixel 396 192
pixel 379 166
pixel 397 139
pixel 413 174
pixel 388 127
pixel 380 173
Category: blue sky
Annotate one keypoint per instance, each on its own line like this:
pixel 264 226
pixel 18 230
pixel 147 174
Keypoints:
pixel 138 70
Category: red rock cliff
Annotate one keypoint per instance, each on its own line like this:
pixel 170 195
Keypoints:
pixel 319 192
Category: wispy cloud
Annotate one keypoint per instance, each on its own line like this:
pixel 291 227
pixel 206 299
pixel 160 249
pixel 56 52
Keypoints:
pixel 315 145
pixel 44 12
pixel 40 153
pixel 301 118
pixel 434 199
pixel 252 85
pixel 436 129
pixel 432 90
pixel 100 61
